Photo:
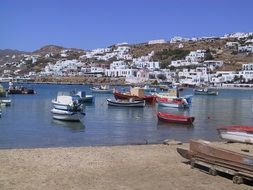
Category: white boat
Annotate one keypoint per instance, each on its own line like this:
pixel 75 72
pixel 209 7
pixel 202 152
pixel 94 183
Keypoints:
pixel 235 133
pixel 102 89
pixel 126 103
pixel 5 102
pixel 174 94
pixel 65 101
pixel 67 107
pixel 172 103
pixel 67 115
pixel 4 97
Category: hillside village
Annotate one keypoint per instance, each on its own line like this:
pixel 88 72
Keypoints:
pixel 189 61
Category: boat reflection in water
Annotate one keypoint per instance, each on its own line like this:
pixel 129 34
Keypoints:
pixel 72 126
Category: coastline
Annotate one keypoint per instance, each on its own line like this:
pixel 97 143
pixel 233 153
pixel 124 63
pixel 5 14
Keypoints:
pixel 116 167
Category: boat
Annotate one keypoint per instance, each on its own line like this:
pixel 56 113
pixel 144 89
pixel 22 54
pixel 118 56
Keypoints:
pixel 65 101
pixel 83 97
pixel 173 93
pixel 130 103
pixel 205 91
pixel 206 154
pixel 67 107
pixel 4 97
pixel 236 133
pixel 126 96
pixel 173 103
pixel 5 102
pixel 147 88
pixel 172 118
pixel 66 115
pixel 105 89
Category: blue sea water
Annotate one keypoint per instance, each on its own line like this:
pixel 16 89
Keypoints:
pixel 28 121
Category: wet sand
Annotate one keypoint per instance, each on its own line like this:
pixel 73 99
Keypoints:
pixel 117 167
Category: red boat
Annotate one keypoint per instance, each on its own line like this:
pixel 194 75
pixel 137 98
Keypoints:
pixel 171 118
pixel 126 96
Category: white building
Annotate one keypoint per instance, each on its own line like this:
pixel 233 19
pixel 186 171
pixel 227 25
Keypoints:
pixel 160 41
pixel 231 45
pixel 140 77
pixel 223 76
pixel 213 64
pixel 178 39
pixel 198 55
pixel 193 76
pixel 182 63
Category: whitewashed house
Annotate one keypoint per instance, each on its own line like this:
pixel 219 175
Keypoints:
pixel 232 45
pixel 182 63
pixel 193 76
pixel 120 69
pixel 247 71
pixel 197 56
pixel 223 76
pixel 140 77
pixel 213 64
pixel 160 41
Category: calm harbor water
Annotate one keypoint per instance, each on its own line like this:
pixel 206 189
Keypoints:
pixel 28 121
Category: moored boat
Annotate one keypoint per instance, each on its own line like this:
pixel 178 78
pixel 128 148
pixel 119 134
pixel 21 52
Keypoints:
pixel 172 118
pixel 67 107
pixel 173 103
pixel 102 89
pixel 83 97
pixel 205 91
pixel 129 103
pixel 67 115
pixel 127 96
pixel 236 133
pixel 4 97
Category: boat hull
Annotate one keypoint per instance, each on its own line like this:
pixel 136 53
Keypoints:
pixel 242 134
pixel 60 106
pixel 121 96
pixel 101 91
pixel 171 118
pixel 211 93
pixel 67 115
pixel 172 103
pixel 140 103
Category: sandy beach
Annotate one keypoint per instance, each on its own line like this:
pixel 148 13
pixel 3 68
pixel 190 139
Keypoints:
pixel 117 167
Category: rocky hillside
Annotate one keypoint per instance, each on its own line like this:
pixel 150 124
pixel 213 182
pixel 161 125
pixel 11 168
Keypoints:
pixel 14 62
pixel 171 51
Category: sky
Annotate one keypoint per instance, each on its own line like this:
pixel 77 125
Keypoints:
pixel 28 25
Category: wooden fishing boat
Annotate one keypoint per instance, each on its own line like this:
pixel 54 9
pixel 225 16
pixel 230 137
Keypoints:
pixel 20 90
pixel 204 153
pixel 126 96
pixel 237 133
pixel 171 118
pixel 173 103
pixel 129 103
